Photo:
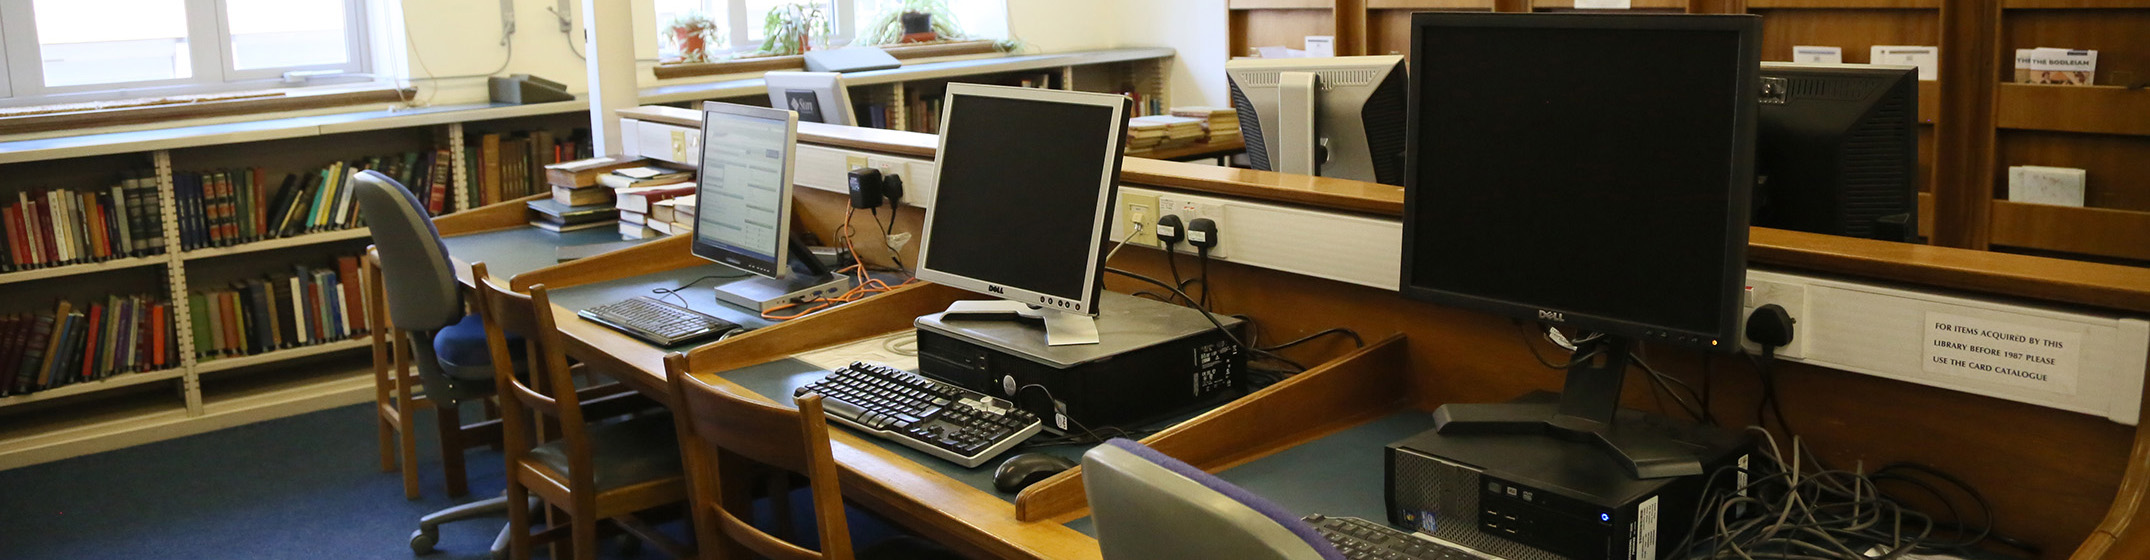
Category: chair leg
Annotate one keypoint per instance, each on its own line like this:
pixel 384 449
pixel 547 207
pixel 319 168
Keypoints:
pixel 519 541
pixel 450 419
pixel 388 439
pixel 584 535
pixel 492 412
pixel 406 420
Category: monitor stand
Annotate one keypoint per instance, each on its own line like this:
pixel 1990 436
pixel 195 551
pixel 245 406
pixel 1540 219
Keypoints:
pixel 1061 328
pixel 806 280
pixel 1589 410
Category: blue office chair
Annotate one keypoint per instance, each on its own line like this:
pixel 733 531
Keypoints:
pixel 425 301
pixel 1148 505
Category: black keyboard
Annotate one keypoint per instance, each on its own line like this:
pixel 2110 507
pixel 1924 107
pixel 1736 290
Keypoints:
pixel 965 427
pixel 657 322
pixel 1360 539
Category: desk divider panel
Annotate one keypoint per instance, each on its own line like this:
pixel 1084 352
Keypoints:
pixel 500 215
pixel 1349 390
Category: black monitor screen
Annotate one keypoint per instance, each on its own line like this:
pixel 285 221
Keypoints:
pixel 1592 174
pixel 1018 193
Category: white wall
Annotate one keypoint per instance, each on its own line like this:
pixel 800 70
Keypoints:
pixel 457 44
pixel 1194 28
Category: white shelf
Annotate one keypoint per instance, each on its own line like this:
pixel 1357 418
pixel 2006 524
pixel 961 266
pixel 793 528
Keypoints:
pixel 237 362
pixel 278 243
pixel 86 268
pixel 51 439
pixel 113 382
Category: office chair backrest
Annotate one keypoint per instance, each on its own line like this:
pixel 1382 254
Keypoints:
pixel 416 274
pixel 550 387
pixel 718 426
pixel 1148 505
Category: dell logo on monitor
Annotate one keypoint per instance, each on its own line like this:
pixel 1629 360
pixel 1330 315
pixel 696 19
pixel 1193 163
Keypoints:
pixel 995 289
pixel 1554 316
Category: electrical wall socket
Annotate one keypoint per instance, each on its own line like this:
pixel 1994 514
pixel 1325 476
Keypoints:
pixel 1189 208
pixel 1139 210
pixel 1792 297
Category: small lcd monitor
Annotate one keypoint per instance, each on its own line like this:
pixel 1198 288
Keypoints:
pixel 1339 117
pixel 1590 172
pixel 1026 182
pixel 1837 150
pixel 816 96
pixel 743 207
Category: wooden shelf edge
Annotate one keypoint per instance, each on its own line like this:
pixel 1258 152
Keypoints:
pixel 1349 389
pixel 2084 109
pixel 85 268
pixel 1282 4
pixel 278 243
pixel 761 64
pixel 1844 4
pixel 2072 4
pixel 236 362
pixel 2023 276
pixel 2089 231
pixel 86 387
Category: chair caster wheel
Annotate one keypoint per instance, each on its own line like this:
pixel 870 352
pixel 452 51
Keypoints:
pixel 422 541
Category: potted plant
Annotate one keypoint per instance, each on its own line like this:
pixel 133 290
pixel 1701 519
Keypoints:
pixel 693 35
pixel 910 21
pixel 790 28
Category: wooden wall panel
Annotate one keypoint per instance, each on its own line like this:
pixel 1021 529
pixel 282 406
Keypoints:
pixel 1854 30
pixel 1389 31
pixel 2119 166
pixel 1460 356
pixel 2121 37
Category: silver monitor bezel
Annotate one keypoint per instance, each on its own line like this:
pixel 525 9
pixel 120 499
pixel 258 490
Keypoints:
pixel 1107 188
pixel 780 265
pixel 828 88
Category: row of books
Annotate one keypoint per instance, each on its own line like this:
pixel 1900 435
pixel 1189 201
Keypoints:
pixel 1219 124
pixel 512 165
pixel 62 227
pixel 232 206
pixel 304 307
pixel 74 344
pixel 1162 132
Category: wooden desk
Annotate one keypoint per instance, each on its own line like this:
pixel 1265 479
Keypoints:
pixel 2062 480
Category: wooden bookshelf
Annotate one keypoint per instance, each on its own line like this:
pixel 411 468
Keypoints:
pixel 88 417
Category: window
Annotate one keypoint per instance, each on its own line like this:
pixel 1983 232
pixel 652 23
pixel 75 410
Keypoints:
pixel 81 50
pixel 738 23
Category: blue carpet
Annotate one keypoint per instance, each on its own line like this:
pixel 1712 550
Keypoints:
pixel 306 486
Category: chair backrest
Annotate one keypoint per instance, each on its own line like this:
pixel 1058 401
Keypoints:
pixel 549 389
pixel 1148 505
pixel 417 276
pixel 719 426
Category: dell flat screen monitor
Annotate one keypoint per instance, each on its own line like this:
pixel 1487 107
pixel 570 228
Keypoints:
pixel 1595 174
pixel 816 96
pixel 1027 178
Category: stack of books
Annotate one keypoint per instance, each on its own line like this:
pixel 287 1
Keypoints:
pixel 1161 132
pixel 308 306
pixel 74 344
pixel 60 227
pixel 574 183
pixel 1221 123
pixel 550 215
pixel 676 213
pixel 636 192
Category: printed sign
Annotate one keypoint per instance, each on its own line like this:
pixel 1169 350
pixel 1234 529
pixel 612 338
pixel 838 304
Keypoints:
pixel 1818 54
pixel 2003 352
pixel 1602 4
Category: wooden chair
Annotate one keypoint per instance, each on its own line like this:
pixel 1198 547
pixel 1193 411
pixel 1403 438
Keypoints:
pixel 610 471
pixel 732 440
pixel 396 407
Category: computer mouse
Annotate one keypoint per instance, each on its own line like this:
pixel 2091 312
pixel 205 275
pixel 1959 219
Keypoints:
pixel 1025 469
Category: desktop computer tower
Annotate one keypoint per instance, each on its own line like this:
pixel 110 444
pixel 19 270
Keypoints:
pixel 1541 497
pixel 1153 360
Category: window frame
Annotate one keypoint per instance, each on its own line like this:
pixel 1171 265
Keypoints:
pixel 740 26
pixel 211 62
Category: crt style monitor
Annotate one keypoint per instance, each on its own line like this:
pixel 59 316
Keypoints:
pixel 743 206
pixel 1593 175
pixel 1027 178
pixel 1836 150
pixel 1339 117
pixel 816 96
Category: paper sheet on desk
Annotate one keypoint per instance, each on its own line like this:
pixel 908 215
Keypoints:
pixel 898 349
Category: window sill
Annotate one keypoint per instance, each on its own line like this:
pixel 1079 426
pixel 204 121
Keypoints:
pixel 796 62
pixel 180 108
